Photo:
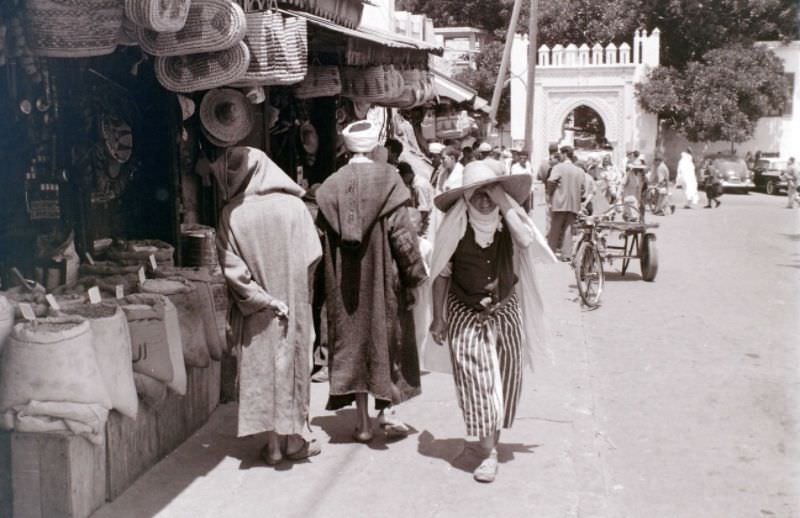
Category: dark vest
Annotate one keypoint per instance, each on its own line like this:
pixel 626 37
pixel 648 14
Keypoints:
pixel 478 272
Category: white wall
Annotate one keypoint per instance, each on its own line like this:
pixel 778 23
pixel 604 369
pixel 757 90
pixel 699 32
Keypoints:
pixel 379 16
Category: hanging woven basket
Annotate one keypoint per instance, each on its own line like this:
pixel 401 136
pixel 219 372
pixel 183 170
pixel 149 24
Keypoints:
pixel 211 26
pixel 320 81
pixel 73 28
pixel 278 49
pixel 158 15
pixel 196 72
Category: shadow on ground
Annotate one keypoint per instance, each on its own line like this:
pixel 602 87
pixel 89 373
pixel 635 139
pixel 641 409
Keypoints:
pixel 462 454
pixel 341 426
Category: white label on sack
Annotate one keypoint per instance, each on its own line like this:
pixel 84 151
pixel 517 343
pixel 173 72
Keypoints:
pixel 89 258
pixel 94 295
pixel 27 311
pixel 119 291
pixel 51 300
pixel 142 278
pixel 153 263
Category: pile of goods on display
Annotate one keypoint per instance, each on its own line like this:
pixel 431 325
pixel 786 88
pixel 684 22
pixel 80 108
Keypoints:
pixel 126 330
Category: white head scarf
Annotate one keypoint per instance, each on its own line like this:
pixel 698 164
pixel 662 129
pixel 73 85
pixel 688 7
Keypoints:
pixel 361 136
pixel 483 225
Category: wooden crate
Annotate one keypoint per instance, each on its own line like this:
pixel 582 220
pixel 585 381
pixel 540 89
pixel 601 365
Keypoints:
pixel 56 475
pixel 134 446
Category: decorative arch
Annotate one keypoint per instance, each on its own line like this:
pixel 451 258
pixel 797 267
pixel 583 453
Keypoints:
pixel 604 109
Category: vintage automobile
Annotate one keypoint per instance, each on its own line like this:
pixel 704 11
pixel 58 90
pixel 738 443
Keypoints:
pixel 768 175
pixel 733 170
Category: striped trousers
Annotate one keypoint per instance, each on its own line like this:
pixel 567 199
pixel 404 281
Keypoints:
pixel 486 354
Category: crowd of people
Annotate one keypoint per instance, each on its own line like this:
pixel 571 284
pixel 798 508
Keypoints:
pixel 390 259
pixel 365 245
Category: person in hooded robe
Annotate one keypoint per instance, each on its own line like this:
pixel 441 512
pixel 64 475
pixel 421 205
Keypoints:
pixel 268 248
pixel 372 264
pixel 486 305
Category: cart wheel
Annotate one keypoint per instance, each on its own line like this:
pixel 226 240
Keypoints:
pixel 649 258
pixel 589 274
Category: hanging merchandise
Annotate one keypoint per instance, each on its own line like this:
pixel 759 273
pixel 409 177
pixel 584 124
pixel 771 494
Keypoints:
pixel 158 15
pixel 227 116
pixel 73 29
pixel 69 395
pixel 195 72
pixel 211 26
pixel 127 36
pixel 320 81
pixel 278 49
pixel 364 84
pixel 112 347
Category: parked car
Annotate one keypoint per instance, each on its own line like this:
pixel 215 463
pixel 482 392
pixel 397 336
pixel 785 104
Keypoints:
pixel 735 174
pixel 768 175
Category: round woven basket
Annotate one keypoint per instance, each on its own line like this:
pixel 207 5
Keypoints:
pixel 138 253
pixel 211 26
pixel 202 71
pixel 158 15
pixel 73 28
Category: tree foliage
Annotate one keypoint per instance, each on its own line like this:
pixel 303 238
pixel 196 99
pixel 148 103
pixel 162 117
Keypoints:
pixel 719 98
pixel 484 76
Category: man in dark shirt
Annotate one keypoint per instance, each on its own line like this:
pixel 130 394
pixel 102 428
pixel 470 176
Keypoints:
pixel 565 187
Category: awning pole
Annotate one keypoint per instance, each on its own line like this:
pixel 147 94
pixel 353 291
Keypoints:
pixel 533 22
pixel 501 76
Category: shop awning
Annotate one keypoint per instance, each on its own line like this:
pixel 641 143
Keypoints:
pixel 368 34
pixel 458 91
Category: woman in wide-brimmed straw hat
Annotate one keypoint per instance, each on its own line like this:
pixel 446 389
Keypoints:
pixel 485 302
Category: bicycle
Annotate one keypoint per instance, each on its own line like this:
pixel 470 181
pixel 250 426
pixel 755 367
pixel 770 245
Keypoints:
pixel 591 249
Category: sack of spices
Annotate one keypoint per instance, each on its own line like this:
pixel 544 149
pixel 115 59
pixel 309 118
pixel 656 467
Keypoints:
pixel 6 320
pixel 50 379
pixel 148 332
pixel 138 252
pixel 150 390
pixel 112 346
pixel 193 315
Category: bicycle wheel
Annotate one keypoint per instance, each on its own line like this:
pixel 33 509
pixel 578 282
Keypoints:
pixel 649 258
pixel 651 199
pixel 589 274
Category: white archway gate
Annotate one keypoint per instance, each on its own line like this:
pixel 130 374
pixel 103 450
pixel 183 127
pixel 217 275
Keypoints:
pixel 602 78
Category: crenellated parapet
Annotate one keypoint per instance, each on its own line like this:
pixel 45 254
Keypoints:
pixel 644 51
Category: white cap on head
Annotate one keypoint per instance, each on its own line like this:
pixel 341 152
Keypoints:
pixel 361 136
pixel 435 148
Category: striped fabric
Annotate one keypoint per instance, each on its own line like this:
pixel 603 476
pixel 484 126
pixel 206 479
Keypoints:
pixel 486 354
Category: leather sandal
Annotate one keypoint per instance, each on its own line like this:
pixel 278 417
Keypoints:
pixel 392 426
pixel 487 471
pixel 309 449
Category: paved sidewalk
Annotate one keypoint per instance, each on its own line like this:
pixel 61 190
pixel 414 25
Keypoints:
pixel 549 463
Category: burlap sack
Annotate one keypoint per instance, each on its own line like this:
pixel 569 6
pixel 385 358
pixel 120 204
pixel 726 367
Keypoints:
pixel 191 316
pixel 51 360
pixel 164 328
pixel 6 320
pixel 112 346
pixel 148 332
pixel 150 390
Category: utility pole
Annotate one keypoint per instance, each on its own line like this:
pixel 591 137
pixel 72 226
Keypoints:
pixel 501 76
pixel 533 19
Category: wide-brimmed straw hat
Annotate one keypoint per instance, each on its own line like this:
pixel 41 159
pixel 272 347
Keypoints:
pixel 226 115
pixel 478 174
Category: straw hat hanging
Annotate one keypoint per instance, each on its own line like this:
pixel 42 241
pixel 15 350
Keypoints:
pixel 226 115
